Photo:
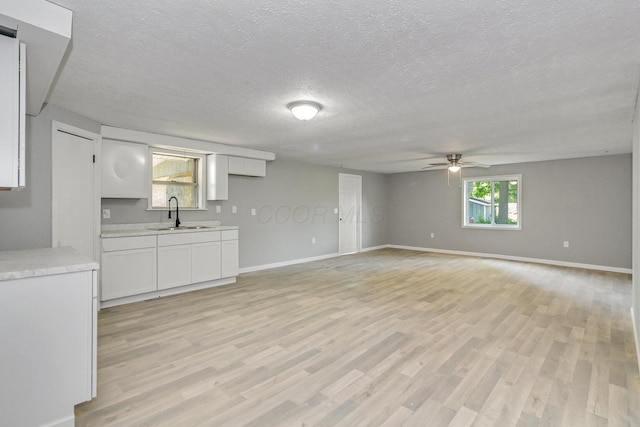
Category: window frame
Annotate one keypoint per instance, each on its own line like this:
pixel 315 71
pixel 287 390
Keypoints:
pixel 200 175
pixel 492 179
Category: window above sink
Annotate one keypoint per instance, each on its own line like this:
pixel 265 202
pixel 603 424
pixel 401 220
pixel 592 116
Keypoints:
pixel 178 174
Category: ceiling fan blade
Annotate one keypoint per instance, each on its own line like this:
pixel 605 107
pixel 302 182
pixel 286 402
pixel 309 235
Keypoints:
pixel 435 166
pixel 474 165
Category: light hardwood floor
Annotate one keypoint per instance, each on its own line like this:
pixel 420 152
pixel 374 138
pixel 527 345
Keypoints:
pixel 384 338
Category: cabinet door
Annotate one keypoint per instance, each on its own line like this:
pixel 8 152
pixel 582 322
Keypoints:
pixel 11 115
pixel 229 258
pixel 205 262
pixel 124 170
pixel 256 167
pixel 248 167
pixel 45 331
pixel 174 266
pixel 217 177
pixel 129 272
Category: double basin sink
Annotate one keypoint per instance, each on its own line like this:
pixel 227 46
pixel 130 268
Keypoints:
pixel 186 227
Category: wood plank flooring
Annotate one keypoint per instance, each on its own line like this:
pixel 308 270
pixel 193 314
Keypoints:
pixel 383 338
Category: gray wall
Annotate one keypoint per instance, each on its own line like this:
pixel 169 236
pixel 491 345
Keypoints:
pixel 585 201
pixel 25 215
pixel 294 203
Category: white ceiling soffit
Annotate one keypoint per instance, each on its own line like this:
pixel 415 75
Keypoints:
pixel 400 81
pixel 166 141
pixel 46 30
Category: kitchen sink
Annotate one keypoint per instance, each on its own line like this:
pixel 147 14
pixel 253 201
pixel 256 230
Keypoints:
pixel 186 227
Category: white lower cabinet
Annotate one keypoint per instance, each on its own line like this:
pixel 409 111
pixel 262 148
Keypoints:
pixel 128 266
pixel 229 253
pixel 174 267
pixel 188 258
pixel 149 264
pixel 48 355
pixel 205 262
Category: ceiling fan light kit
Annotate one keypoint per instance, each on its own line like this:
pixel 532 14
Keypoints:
pixel 454 164
pixel 454 159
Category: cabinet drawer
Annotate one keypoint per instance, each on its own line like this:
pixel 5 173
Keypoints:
pixel 230 235
pixel 187 238
pixel 125 243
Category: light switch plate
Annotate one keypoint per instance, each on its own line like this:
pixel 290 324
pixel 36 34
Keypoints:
pixel 253 211
pixel 234 209
pixel 218 209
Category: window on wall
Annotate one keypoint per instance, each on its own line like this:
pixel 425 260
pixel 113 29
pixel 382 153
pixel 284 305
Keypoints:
pixel 492 202
pixel 179 175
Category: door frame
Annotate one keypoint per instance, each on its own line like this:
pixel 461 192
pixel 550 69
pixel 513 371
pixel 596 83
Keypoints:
pixel 97 150
pixel 358 223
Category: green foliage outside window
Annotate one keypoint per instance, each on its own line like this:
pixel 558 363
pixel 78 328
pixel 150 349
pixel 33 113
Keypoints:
pixel 492 202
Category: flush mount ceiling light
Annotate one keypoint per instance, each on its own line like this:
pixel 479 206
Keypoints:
pixel 304 110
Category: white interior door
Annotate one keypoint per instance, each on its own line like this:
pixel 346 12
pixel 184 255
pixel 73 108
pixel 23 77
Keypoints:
pixel 75 201
pixel 349 213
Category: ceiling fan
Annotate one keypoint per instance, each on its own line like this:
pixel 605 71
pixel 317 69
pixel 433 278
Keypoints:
pixel 454 164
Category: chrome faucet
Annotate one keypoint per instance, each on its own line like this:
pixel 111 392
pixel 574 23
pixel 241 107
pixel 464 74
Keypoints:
pixel 177 211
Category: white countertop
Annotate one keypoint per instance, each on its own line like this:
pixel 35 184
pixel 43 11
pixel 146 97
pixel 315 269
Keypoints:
pixel 43 262
pixel 152 229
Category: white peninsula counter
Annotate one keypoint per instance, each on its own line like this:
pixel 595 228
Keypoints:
pixel 48 334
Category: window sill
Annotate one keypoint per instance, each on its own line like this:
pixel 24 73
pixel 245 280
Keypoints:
pixel 493 227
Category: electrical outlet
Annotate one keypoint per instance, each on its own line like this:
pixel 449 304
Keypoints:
pixel 234 209
pixel 566 243
pixel 218 209
pixel 106 213
pixel 433 235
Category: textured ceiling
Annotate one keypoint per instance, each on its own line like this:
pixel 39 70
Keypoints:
pixel 400 80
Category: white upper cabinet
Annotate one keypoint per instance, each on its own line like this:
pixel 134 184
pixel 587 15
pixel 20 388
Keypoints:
pixel 247 167
pixel 217 177
pixel 12 114
pixel 124 170
pixel 45 28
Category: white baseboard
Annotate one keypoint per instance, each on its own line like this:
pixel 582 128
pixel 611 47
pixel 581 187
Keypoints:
pixel 286 263
pixel 69 421
pixel 636 337
pixel 167 292
pixel 442 251
pixel 374 248
pixel 302 260
pixel 517 258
